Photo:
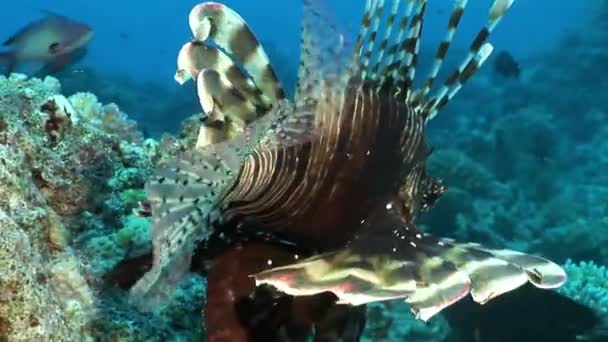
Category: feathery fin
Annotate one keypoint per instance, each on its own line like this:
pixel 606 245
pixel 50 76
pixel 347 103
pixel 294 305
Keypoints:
pixel 186 195
pixel 322 50
pixel 391 259
pixel 215 21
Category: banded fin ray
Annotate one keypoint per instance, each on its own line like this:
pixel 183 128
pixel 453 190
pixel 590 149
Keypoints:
pixel 211 20
pixel 442 50
pixel 183 196
pixel 392 60
pixel 391 259
pixel 388 61
pixel 479 51
pixel 186 195
pixel 194 57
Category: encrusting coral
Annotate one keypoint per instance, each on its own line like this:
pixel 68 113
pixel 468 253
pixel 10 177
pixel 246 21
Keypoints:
pixel 71 170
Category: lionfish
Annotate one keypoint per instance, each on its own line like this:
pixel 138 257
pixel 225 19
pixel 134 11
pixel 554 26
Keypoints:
pixel 321 193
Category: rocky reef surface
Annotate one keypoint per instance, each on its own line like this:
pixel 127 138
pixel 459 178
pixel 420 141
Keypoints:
pixel 71 171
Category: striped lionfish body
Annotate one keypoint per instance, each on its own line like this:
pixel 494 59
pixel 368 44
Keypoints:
pixel 339 171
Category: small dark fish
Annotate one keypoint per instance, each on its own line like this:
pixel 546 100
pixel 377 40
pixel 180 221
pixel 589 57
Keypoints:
pixel 50 40
pixel 506 66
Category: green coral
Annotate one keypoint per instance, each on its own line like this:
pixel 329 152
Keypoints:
pixel 106 251
pixel 131 197
pixel 393 321
pixel 588 285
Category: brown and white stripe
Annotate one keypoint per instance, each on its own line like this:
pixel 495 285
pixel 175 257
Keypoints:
pixel 428 273
pixel 478 53
pixel 442 51
pixel 228 30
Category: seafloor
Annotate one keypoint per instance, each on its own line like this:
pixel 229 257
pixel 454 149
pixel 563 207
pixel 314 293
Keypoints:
pixel 525 161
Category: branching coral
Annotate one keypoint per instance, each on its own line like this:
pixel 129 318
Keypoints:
pixel 588 285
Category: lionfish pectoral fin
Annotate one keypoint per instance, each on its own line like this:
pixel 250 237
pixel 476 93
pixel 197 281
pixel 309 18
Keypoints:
pixel 219 98
pixel 227 29
pixel 397 261
pixel 184 196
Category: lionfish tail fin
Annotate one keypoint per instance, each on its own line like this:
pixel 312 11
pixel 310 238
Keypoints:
pixel 183 196
pixel 393 260
pixel 227 29
pixel 479 51
pixel 323 49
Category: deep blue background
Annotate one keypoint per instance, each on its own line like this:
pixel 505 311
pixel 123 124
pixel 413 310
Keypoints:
pixel 141 38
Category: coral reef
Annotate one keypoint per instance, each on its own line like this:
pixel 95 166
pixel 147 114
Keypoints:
pixel 146 102
pixel 393 321
pixel 71 171
pixel 588 286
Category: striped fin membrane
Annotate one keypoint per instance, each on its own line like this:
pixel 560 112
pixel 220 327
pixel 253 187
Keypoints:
pixel 235 80
pixel 390 258
pixel 227 29
pixel 185 195
pixel 323 49
pixel 393 260
pixel 195 57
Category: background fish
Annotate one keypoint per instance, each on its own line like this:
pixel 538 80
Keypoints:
pixel 51 40
pixel 506 66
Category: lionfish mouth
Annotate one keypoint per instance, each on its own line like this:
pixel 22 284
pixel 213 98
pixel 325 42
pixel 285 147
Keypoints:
pixel 355 115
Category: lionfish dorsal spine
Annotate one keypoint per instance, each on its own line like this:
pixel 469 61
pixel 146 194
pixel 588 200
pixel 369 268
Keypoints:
pixel 391 66
pixel 479 51
pixel 442 50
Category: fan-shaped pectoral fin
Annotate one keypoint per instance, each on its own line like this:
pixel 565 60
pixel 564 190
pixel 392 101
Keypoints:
pixel 391 259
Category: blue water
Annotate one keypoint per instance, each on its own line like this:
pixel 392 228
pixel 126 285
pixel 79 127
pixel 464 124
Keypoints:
pixel 141 38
